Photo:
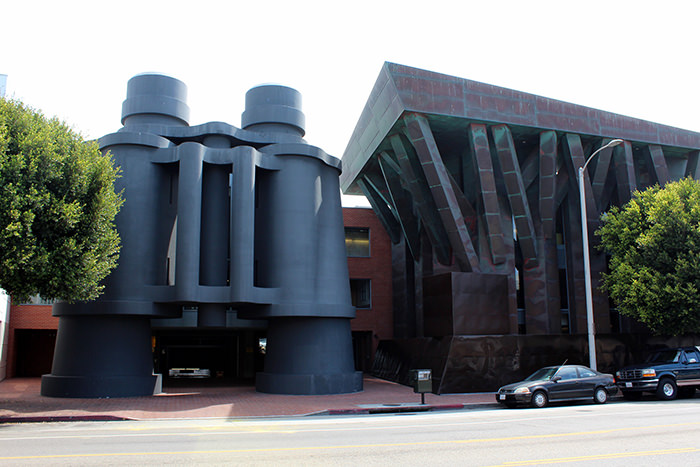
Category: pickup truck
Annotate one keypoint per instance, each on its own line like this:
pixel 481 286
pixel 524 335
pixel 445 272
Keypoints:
pixel 668 373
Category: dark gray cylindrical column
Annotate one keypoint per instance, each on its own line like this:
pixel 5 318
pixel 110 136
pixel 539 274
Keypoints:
pixel 101 356
pixel 272 108
pixel 307 356
pixel 309 342
pixel 156 100
pixel 189 219
pixel 307 240
pixel 103 347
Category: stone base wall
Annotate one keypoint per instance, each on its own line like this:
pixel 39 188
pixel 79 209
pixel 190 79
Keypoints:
pixel 462 364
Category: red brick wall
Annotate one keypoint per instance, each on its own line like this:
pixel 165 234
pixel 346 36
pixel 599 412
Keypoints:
pixel 377 268
pixel 27 317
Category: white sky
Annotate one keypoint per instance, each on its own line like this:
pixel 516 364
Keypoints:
pixel 72 59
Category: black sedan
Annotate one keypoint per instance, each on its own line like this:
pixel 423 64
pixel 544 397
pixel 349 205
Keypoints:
pixel 558 383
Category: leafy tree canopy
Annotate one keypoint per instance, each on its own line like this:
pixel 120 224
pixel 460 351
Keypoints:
pixel 57 208
pixel 654 243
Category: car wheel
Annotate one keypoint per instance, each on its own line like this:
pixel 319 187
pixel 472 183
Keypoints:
pixel 667 389
pixel 539 399
pixel 600 396
pixel 632 395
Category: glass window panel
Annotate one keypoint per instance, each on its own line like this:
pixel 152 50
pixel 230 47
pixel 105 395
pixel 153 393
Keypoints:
pixel 361 293
pixel 567 373
pixel 357 241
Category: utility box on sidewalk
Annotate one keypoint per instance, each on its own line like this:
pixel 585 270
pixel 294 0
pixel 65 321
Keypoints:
pixel 421 380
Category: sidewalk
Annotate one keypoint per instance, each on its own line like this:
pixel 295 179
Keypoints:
pixel 20 402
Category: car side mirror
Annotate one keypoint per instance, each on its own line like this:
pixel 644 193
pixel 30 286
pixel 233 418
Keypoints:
pixel 556 378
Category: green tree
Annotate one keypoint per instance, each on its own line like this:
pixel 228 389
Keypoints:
pixel 57 208
pixel 654 243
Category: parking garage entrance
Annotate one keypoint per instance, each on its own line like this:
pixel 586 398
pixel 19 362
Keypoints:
pixel 208 356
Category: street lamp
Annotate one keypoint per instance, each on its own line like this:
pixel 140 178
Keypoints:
pixel 586 255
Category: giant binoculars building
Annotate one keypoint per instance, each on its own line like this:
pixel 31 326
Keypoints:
pixel 216 217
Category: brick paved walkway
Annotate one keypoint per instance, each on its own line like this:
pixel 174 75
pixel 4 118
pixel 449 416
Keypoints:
pixel 20 401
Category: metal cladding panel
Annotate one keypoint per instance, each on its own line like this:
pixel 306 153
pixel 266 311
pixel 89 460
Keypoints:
pixel 691 168
pixel 403 89
pixel 438 305
pixel 479 303
pixel 600 178
pixel 419 188
pixel 465 303
pixel 403 287
pixel 381 208
pixel 383 109
pixel 657 164
pixel 401 199
pixel 434 93
pixel 443 193
pixel 624 171
pixel 541 290
pixel 547 178
pixel 513 181
pixel 483 166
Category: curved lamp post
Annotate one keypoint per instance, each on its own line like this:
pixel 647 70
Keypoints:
pixel 586 255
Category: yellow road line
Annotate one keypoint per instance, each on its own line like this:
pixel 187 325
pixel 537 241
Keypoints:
pixel 595 457
pixel 380 445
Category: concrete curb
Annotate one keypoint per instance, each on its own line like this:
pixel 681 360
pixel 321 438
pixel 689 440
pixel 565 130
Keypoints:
pixel 371 410
pixel 398 408
pixel 62 418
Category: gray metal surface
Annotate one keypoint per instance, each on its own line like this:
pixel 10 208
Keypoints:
pixel 217 217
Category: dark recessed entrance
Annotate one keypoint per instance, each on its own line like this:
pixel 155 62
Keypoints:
pixel 362 350
pixel 34 351
pixel 207 356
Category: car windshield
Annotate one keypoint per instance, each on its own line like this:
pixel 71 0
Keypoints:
pixel 664 356
pixel 543 374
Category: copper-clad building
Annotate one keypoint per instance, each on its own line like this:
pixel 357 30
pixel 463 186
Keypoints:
pixel 477 187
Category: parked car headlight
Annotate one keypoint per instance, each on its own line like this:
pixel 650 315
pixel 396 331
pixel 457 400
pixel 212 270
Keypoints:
pixel 648 372
pixel 524 390
pixel 617 374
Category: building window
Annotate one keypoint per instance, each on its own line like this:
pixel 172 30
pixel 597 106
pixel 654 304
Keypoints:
pixel 37 300
pixel 357 241
pixel 361 293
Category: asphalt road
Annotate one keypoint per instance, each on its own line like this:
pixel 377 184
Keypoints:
pixel 621 433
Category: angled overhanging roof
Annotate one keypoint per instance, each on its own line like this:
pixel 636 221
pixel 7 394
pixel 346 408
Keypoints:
pixel 452 103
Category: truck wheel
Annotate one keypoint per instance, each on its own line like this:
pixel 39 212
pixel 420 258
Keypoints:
pixel 667 389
